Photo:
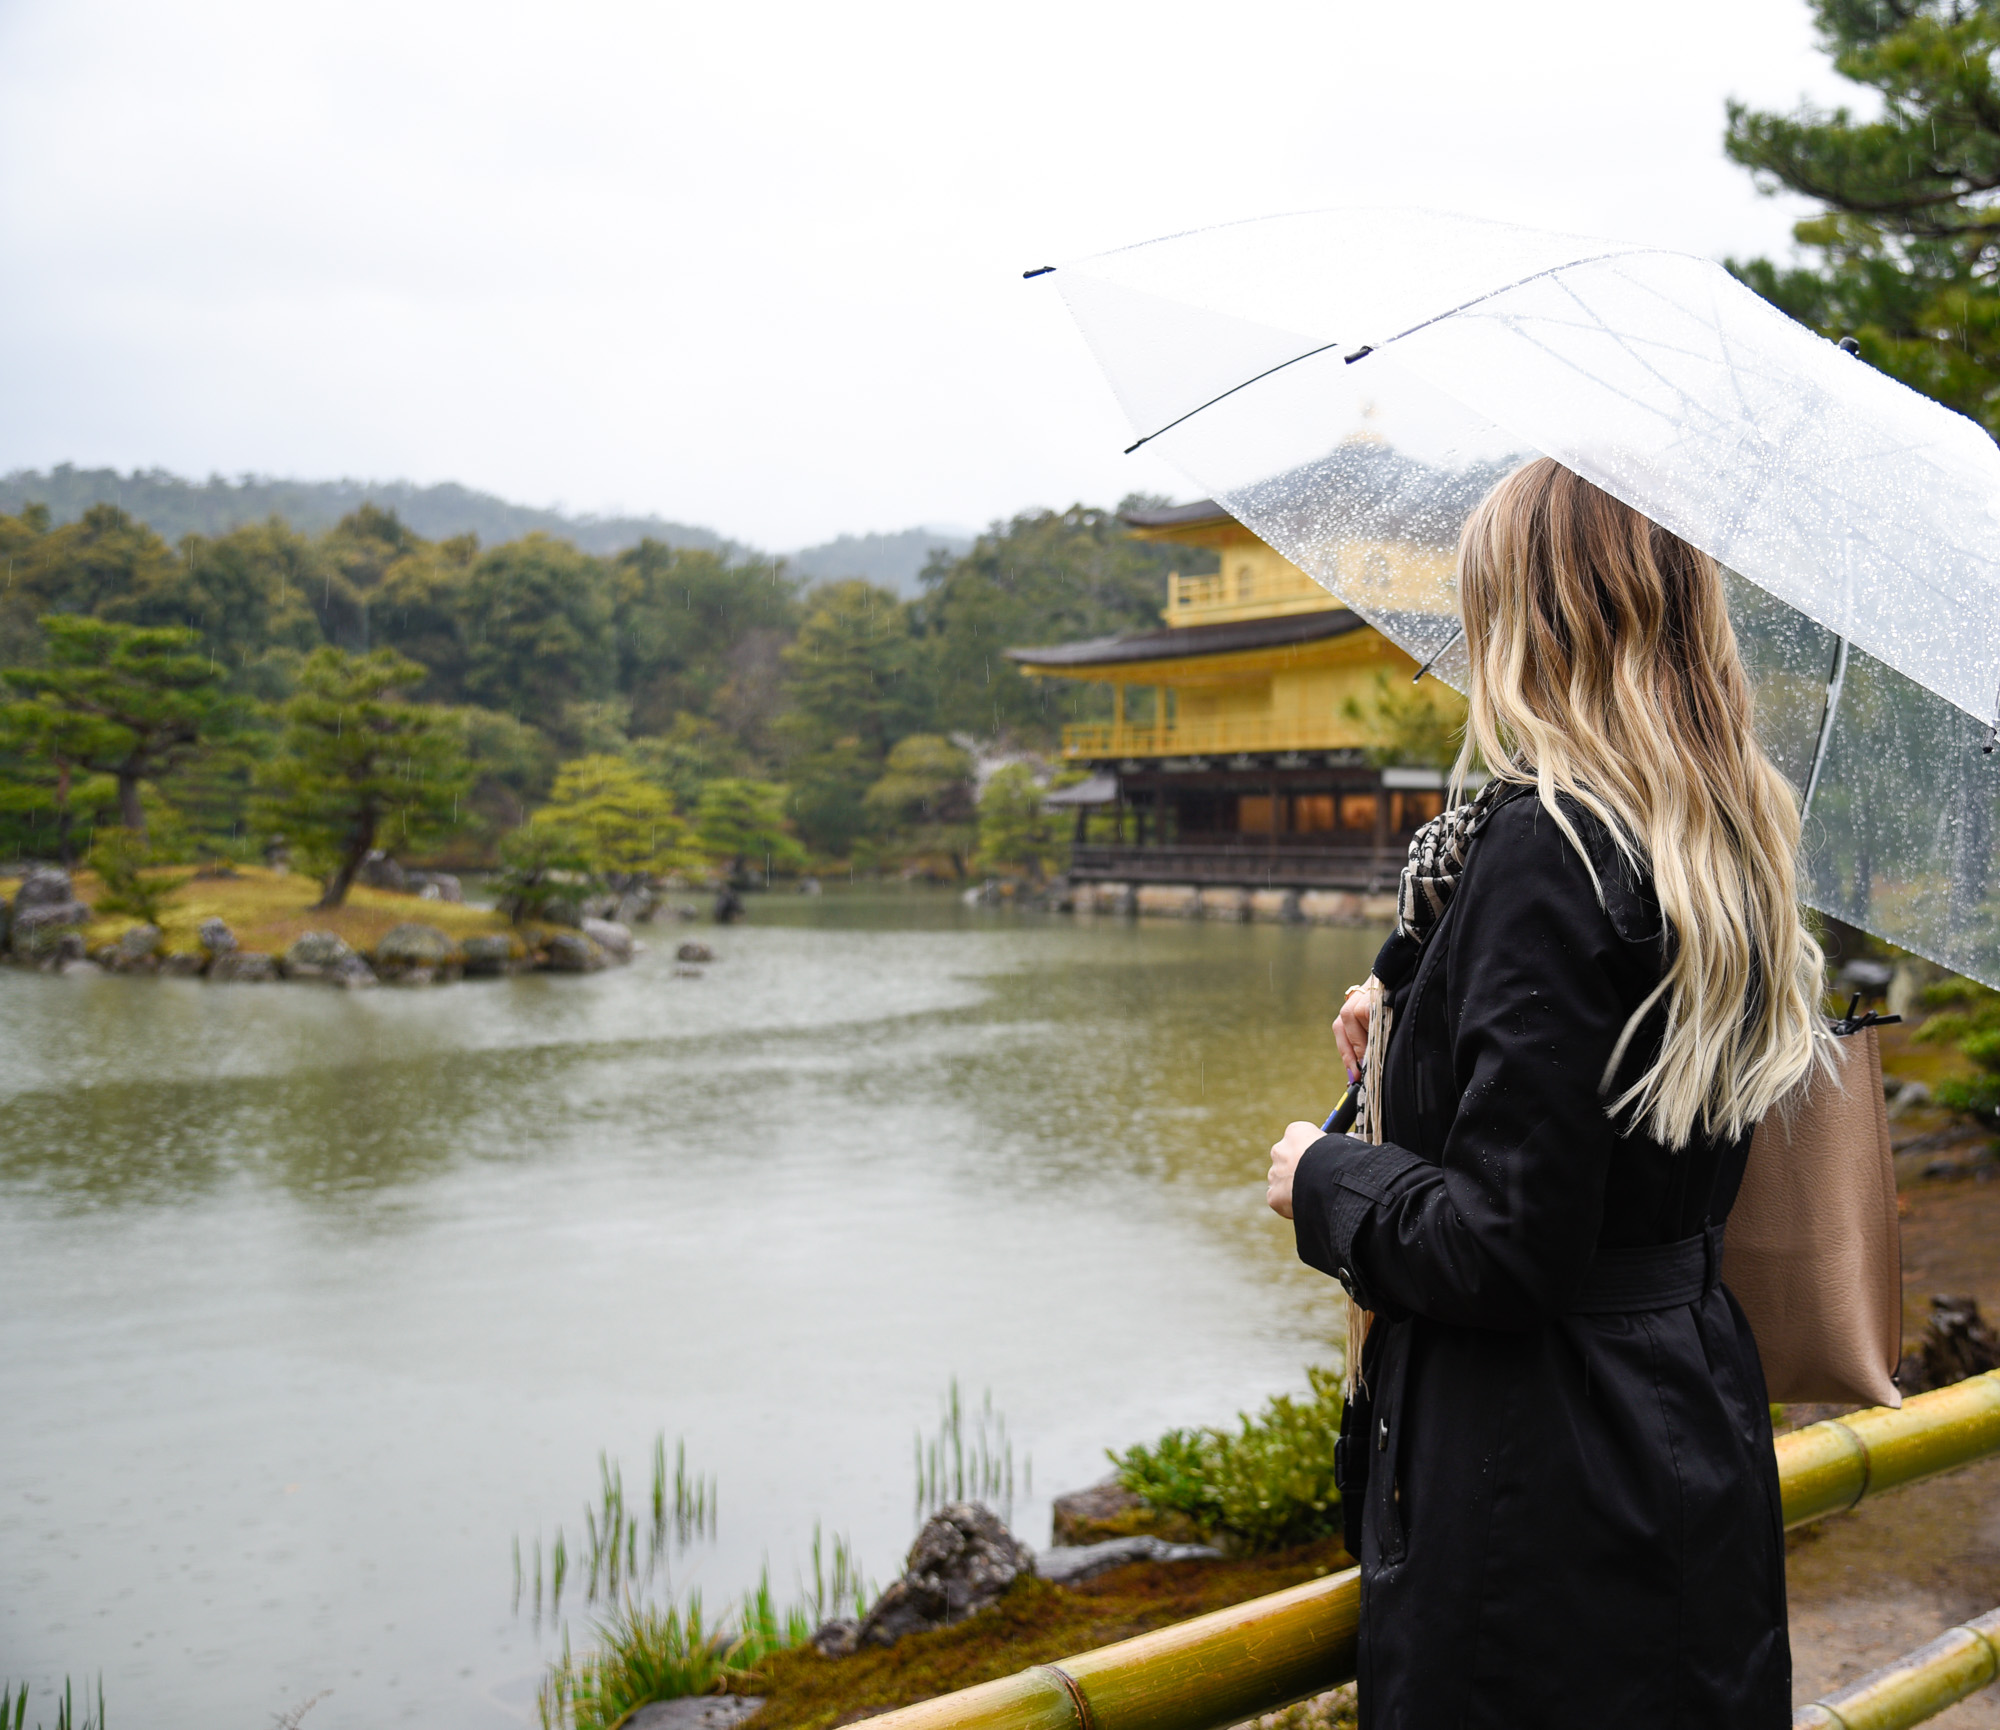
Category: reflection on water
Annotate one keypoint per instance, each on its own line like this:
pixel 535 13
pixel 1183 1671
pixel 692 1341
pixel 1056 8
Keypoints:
pixel 314 1301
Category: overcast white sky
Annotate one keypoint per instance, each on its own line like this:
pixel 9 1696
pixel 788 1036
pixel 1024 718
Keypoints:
pixel 755 266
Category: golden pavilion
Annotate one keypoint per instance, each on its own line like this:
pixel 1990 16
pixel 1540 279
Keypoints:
pixel 1238 749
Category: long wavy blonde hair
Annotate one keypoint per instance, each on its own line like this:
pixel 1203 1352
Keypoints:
pixel 1604 667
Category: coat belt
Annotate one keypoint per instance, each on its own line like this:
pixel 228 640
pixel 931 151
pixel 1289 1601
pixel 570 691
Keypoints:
pixel 1656 1277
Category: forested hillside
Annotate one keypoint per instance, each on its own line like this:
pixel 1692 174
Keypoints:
pixel 691 669
pixel 174 507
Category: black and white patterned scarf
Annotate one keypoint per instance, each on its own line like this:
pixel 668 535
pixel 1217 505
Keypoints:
pixel 1438 852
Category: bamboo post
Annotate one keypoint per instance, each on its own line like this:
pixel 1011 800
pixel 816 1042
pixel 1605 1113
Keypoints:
pixel 1255 1657
pixel 1917 1686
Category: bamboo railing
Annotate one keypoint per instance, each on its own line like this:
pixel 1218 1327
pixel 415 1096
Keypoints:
pixel 1957 1663
pixel 1254 1657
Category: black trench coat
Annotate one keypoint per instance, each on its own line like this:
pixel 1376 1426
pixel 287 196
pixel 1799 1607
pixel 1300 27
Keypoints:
pixel 1561 1486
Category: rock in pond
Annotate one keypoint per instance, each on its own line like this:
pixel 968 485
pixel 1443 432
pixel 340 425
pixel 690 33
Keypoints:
pixel 437 886
pixel 697 952
pixel 417 955
pixel 493 953
pixel 242 967
pixel 963 1559
pixel 614 939
pixel 1072 1564
pixel 182 964
pixel 44 886
pixel 215 937
pixel 136 951
pixel 46 932
pixel 325 957
pixel 574 952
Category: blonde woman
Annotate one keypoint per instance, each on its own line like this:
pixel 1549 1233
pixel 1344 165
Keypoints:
pixel 1557 1466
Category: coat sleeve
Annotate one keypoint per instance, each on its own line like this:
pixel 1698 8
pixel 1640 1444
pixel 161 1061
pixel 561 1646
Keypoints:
pixel 1501 1234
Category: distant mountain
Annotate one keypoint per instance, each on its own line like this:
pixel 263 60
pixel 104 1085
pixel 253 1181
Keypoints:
pixel 174 507
pixel 893 561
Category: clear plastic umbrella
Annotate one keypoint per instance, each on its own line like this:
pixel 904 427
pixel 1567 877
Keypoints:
pixel 1349 383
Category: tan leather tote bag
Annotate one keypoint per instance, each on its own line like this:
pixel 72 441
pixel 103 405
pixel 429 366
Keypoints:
pixel 1812 1251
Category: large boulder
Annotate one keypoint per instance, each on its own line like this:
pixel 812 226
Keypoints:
pixel 242 967
pixel 215 937
pixel 574 952
pixel 136 951
pixel 614 939
pixel 437 886
pixel 44 886
pixel 324 957
pixel 491 954
pixel 378 871
pixel 47 931
pixel 963 1559
pixel 416 954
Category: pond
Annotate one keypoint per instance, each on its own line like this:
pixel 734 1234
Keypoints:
pixel 314 1303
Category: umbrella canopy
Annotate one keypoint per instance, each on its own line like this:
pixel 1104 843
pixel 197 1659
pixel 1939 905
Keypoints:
pixel 1350 383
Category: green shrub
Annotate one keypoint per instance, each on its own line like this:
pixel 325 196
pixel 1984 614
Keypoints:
pixel 1969 1019
pixel 120 859
pixel 1267 1485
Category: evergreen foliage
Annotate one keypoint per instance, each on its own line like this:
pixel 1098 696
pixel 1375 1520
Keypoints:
pixel 1015 831
pixel 1970 1022
pixel 741 825
pixel 613 819
pixel 128 701
pixel 926 793
pixel 360 767
pixel 1907 246
pixel 767 712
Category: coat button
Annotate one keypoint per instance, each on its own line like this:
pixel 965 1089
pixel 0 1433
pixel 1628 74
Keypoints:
pixel 1382 1436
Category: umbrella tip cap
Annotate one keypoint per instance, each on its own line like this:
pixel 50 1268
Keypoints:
pixel 1039 270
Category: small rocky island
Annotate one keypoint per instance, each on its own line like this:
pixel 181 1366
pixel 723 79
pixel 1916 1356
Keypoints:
pixel 245 925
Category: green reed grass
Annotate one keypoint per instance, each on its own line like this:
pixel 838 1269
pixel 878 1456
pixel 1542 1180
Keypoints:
pixel 14 1708
pixel 681 1509
pixel 975 1464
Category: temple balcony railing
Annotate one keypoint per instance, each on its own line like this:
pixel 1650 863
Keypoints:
pixel 1244 592
pixel 1217 736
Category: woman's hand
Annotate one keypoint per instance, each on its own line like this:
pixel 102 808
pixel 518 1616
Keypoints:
pixel 1350 1028
pixel 1284 1161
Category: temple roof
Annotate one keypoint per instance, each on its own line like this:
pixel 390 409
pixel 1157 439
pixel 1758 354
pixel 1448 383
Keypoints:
pixel 1176 643
pixel 1177 516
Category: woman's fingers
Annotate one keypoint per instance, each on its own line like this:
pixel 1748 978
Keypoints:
pixel 1350 1033
pixel 1285 1157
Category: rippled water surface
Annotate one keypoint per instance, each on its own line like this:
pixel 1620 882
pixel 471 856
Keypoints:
pixel 311 1303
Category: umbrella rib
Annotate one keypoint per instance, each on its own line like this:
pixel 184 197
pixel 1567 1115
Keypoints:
pixel 1450 312
pixel 1520 282
pixel 1834 681
pixel 1231 391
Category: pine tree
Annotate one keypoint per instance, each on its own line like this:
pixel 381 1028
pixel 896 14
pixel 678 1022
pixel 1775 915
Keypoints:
pixel 360 767
pixel 128 701
pixel 1908 243
pixel 613 819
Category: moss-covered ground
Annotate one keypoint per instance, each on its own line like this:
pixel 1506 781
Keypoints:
pixel 1033 1624
pixel 269 909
